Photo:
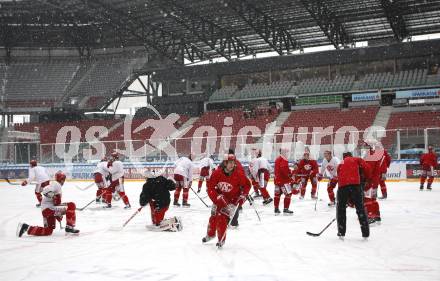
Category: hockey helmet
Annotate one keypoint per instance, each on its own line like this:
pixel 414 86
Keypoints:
pixel 33 163
pixel 60 177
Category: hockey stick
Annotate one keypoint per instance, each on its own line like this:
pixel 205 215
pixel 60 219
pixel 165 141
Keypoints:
pixel 116 228
pixel 88 204
pixel 317 196
pixel 85 188
pixel 325 228
pixel 255 209
pixel 199 197
pixel 11 183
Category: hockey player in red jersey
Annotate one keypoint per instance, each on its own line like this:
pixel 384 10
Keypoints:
pixel 116 169
pixel 385 164
pixel 228 188
pixel 352 171
pixel 52 210
pixel 374 160
pixel 284 184
pixel 429 162
pixel 308 169
pixel 40 176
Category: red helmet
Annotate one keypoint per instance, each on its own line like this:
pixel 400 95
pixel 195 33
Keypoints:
pixel 33 163
pixel 60 177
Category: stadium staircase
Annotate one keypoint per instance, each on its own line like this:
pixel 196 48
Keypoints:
pixel 279 122
pixel 383 116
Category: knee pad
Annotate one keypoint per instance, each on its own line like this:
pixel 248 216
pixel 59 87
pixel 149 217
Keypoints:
pixel 71 206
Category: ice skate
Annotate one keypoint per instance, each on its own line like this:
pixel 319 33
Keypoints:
pixel 71 230
pixel 207 238
pixel 267 201
pixel 277 211
pixel 21 229
pixel 185 204
pixel 220 244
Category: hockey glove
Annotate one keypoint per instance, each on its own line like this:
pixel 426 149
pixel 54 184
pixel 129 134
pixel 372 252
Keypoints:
pixel 286 189
pixel 24 183
pixel 241 199
pixel 221 201
pixel 319 177
pixel 228 210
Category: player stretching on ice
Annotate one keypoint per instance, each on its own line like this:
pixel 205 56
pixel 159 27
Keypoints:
pixel 183 175
pixel 329 167
pixel 116 169
pixel 52 210
pixel 374 160
pixel 100 175
pixel 349 190
pixel 428 161
pixel 261 172
pixel 228 188
pixel 308 169
pixel 39 175
pixel 283 183
pixel 156 192
pixel 206 168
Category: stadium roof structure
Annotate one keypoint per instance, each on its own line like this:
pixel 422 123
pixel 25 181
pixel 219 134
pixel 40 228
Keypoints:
pixel 200 30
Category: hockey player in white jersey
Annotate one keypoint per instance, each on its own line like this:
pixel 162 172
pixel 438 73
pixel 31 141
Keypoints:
pixel 261 172
pixel 183 175
pixel 116 170
pixel 328 169
pixel 100 175
pixel 206 167
pixel 39 175
pixel 52 210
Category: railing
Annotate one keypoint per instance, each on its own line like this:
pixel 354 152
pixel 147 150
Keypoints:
pixel 401 144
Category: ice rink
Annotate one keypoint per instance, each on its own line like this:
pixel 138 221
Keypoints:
pixel 406 246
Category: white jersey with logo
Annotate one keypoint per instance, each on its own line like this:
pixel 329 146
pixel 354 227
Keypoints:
pixel 116 170
pixel 330 168
pixel 48 192
pixel 261 163
pixel 184 167
pixel 102 169
pixel 207 162
pixel 38 174
pixel 252 165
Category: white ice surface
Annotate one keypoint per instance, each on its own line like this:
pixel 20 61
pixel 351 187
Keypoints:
pixel 405 247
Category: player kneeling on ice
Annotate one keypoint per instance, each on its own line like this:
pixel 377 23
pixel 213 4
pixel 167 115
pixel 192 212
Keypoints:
pixel 350 190
pixel 156 192
pixel 52 210
pixel 228 188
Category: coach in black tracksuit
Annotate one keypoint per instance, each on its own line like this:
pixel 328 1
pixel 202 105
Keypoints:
pixel 350 190
pixel 156 192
